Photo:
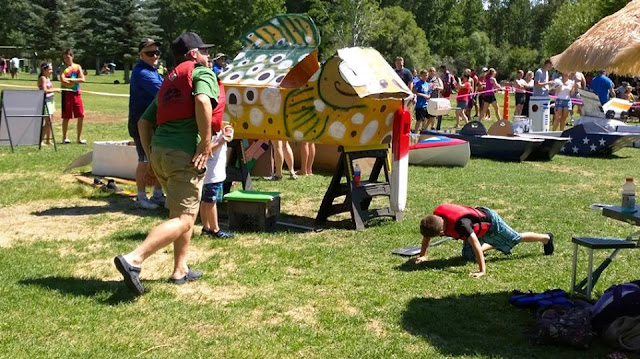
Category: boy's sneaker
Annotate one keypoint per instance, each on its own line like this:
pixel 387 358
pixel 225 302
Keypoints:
pixel 66 141
pixel 272 178
pixel 111 186
pixel 145 204
pixel 221 234
pixel 549 247
pixel 158 200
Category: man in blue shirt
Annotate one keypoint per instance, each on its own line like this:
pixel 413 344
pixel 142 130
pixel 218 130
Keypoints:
pixel 602 86
pixel 422 89
pixel 144 84
pixel 219 63
pixel 541 80
pixel 404 72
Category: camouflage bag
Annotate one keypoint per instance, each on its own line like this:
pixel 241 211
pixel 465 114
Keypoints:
pixel 565 326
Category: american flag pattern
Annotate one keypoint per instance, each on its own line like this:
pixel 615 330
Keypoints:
pixel 590 139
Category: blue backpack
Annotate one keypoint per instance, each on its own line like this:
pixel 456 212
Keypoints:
pixel 617 301
pixel 536 300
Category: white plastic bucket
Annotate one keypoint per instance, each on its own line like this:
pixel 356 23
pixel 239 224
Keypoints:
pixel 438 106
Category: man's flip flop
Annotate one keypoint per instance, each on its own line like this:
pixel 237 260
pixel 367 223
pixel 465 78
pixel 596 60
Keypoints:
pixel 189 277
pixel 130 274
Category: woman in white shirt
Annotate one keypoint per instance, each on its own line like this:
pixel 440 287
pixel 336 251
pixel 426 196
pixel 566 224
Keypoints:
pixel 564 88
pixel 521 95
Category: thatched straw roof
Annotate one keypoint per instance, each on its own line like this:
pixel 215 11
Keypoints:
pixel 613 44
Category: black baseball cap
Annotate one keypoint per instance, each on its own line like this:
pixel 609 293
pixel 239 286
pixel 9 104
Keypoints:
pixel 187 41
pixel 147 42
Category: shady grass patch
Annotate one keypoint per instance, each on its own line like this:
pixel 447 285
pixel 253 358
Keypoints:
pixel 336 293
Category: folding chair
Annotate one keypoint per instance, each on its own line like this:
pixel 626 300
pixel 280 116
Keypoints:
pixel 22 113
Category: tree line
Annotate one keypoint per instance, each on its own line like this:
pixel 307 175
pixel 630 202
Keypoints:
pixel 505 34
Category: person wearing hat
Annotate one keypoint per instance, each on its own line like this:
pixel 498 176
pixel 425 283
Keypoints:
pixel 219 63
pixel 175 131
pixel 143 86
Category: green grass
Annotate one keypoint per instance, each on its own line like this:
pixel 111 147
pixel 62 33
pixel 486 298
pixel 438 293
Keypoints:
pixel 337 293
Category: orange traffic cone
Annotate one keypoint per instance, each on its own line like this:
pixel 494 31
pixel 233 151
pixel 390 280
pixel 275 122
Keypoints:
pixel 505 108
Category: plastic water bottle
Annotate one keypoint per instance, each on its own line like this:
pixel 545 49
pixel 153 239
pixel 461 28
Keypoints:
pixel 356 175
pixel 629 196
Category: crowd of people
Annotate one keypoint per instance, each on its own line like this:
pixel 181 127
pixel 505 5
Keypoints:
pixel 477 91
pixel 10 65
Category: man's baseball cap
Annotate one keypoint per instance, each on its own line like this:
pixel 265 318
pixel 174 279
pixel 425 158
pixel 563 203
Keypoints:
pixel 219 55
pixel 484 69
pixel 147 42
pixel 187 41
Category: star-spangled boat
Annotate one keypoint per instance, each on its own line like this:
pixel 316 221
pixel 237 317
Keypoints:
pixel 590 139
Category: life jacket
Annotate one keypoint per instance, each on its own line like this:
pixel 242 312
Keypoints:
pixel 175 97
pixel 452 213
pixel 218 112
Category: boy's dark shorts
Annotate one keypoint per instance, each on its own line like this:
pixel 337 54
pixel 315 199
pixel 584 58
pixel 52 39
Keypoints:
pixel 421 114
pixel 212 192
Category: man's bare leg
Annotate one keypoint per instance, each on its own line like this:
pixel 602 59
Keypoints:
pixel 161 236
pixel 80 121
pixel 65 127
pixel 180 252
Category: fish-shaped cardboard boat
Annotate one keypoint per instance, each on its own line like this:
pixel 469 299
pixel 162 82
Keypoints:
pixel 276 88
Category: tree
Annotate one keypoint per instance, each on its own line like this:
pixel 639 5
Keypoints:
pixel 571 20
pixel 521 58
pixel 474 17
pixel 62 19
pixel 220 22
pixel 20 19
pixel 398 34
pixel 542 14
pixel 297 6
pixel 479 50
pixel 442 22
pixel 344 23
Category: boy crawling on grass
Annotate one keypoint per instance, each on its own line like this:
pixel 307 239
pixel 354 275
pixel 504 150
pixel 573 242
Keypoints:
pixel 481 228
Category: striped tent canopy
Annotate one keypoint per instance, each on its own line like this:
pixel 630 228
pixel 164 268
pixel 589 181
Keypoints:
pixel 613 44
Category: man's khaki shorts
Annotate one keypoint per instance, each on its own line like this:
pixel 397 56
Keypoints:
pixel 180 179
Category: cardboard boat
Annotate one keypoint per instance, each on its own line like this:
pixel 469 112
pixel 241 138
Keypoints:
pixel 439 151
pixel 591 139
pixel 496 147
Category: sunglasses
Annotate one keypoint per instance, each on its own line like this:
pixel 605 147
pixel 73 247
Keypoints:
pixel 152 53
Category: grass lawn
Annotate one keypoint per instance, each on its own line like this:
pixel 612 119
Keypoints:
pixel 333 294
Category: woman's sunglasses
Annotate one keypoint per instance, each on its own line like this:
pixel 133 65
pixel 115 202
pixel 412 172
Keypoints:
pixel 152 53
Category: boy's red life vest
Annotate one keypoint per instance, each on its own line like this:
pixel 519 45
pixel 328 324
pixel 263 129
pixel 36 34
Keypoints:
pixel 453 212
pixel 218 112
pixel 175 97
